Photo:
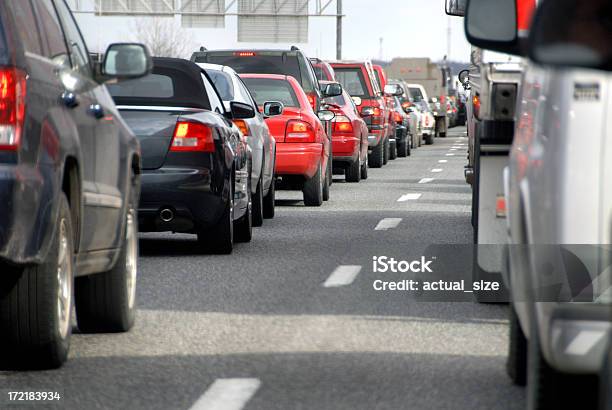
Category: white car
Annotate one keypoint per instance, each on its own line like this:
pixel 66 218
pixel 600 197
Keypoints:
pixel 428 121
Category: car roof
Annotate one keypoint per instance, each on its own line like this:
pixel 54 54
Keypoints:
pixel 217 67
pixel 269 76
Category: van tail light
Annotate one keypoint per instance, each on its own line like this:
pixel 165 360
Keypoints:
pixel 342 125
pixel 299 131
pixel 242 125
pixel 12 107
pixel 312 100
pixel 476 104
pixel 192 137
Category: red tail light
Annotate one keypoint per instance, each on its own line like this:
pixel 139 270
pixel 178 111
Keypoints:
pixel 245 53
pixel 397 117
pixel 312 100
pixel 242 125
pixel 299 131
pixel 406 104
pixel 12 107
pixel 192 136
pixel 476 103
pixel 342 125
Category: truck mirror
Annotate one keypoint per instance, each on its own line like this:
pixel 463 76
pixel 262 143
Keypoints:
pixel 456 7
pixel 492 25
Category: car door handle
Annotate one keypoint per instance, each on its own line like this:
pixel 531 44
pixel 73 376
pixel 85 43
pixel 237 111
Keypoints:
pixel 69 99
pixel 96 110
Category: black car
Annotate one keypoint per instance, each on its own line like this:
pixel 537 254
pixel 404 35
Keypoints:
pixel 69 184
pixel 196 164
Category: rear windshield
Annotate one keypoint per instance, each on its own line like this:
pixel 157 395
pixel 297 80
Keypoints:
pixel 416 94
pixel 353 82
pixel 265 89
pixel 337 100
pixel 284 63
pixel 151 86
pixel 223 84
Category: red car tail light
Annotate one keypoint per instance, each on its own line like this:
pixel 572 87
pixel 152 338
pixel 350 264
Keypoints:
pixel 245 54
pixel 476 103
pixel 192 136
pixel 312 100
pixel 397 117
pixel 342 125
pixel 242 125
pixel 299 131
pixel 12 107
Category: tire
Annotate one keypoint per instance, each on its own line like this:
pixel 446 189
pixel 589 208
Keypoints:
pixel 243 228
pixel 353 172
pixel 364 170
pixel 386 152
pixel 548 388
pixel 258 204
pixel 219 239
pixel 403 149
pixel 429 139
pixel 269 200
pixel 330 169
pixel 376 156
pixel 442 135
pixel 36 304
pixel 313 189
pixel 393 150
pixel 516 364
pixel 327 183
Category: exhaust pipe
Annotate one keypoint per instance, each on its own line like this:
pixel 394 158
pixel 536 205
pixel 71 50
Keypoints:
pixel 166 214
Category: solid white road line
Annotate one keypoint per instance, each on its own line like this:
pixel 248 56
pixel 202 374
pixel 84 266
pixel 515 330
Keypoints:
pixel 437 170
pixel 443 161
pixel 343 275
pixel 409 197
pixel 425 180
pixel 584 342
pixel 387 223
pixel 227 394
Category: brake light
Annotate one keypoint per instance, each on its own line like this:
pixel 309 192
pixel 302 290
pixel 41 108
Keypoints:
pixel 398 117
pixel 500 206
pixel 341 124
pixel 299 131
pixel 406 104
pixel 12 107
pixel 476 103
pixel 242 125
pixel 245 53
pixel 192 136
pixel 312 100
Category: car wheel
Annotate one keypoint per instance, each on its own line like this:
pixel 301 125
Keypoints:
pixel 393 150
pixel 375 157
pixel 269 200
pixel 36 304
pixel 220 238
pixel 353 172
pixel 243 228
pixel 364 170
pixel 403 149
pixel 326 184
pixel 429 139
pixel 258 204
pixel 386 150
pixel 516 364
pixel 442 135
pixel 313 189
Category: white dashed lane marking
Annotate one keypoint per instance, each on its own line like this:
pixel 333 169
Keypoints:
pixel 343 275
pixel 425 180
pixel 409 197
pixel 388 223
pixel 227 394
pixel 436 170
pixel 443 161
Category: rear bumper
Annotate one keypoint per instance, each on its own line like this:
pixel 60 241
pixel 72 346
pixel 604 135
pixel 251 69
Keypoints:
pixel 298 159
pixel 345 149
pixel 29 204
pixel 374 138
pixel 190 193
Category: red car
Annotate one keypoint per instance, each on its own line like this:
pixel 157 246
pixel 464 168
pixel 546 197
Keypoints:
pixel 349 137
pixel 359 81
pixel 302 146
pixel 381 77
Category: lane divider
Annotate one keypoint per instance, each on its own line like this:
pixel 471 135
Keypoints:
pixel 343 275
pixel 409 197
pixel 227 394
pixel 388 223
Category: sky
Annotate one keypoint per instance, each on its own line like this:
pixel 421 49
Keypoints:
pixel 408 28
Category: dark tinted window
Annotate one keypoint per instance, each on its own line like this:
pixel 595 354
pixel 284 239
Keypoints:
pixel 153 86
pixel 263 89
pixel 26 24
pixel 309 78
pixel 352 80
pixel 76 45
pixel 416 94
pixel 52 33
pixel 223 84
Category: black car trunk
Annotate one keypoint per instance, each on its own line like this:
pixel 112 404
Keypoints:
pixel 154 129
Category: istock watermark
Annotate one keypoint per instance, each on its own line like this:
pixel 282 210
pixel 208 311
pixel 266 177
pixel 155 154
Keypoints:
pixel 384 264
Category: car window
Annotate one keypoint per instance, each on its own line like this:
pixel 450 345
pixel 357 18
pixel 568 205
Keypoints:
pixel 309 79
pixel 265 89
pixel 76 45
pixel 337 100
pixel 243 94
pixel 255 63
pixel 416 94
pixel 52 33
pixel 27 27
pixel 223 83
pixel 151 86
pixel 377 75
pixel 215 102
pixel 352 81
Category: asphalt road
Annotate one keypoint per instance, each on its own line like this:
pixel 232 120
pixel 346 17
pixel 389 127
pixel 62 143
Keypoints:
pixel 291 321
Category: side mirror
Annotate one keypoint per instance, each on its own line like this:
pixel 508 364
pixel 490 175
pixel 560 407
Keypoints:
pixel 366 111
pixel 456 7
pixel 463 76
pixel 124 61
pixel 492 25
pixel 273 108
pixel 357 101
pixel 572 33
pixel 393 90
pixel 332 90
pixel 241 111
pixel 326 115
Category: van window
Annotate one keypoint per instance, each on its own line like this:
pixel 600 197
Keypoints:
pixel 352 81
pixel 256 64
pixel 76 45
pixel 416 94
pixel 52 32
pixel 26 24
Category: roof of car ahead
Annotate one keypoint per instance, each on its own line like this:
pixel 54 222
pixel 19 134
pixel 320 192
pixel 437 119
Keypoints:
pixel 268 76
pixel 231 52
pixel 188 87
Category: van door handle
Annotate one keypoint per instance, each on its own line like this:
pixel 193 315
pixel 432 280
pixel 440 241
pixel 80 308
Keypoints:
pixel 69 99
pixel 96 110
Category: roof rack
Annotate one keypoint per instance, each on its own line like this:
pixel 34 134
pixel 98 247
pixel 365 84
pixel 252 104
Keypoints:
pixel 202 48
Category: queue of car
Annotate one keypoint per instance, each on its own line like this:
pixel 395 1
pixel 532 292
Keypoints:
pixel 556 200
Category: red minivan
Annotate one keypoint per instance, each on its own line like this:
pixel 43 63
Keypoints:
pixel 359 80
pixel 302 146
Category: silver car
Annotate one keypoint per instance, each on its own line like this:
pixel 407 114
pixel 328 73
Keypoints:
pixel 231 88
